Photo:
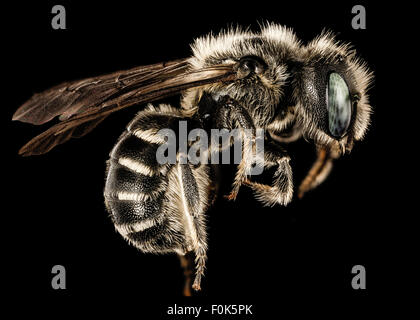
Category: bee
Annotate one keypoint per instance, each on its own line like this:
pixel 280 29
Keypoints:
pixel 266 79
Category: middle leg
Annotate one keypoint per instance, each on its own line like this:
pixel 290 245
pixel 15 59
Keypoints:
pixel 281 191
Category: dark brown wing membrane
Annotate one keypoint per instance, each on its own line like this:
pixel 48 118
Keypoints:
pixel 84 106
pixel 75 97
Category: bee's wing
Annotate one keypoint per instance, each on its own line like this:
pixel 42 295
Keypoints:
pixel 83 104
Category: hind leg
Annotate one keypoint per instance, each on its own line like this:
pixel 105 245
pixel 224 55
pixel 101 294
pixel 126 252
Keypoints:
pixel 187 264
pixel 194 203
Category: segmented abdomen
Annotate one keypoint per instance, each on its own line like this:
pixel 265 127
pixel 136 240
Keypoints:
pixel 136 189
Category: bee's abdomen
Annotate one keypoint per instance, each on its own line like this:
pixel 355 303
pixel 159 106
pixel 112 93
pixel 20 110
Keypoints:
pixel 135 193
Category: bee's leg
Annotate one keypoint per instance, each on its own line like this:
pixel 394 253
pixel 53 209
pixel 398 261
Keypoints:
pixel 244 167
pixel 318 173
pixel 187 264
pixel 232 115
pixel 281 191
pixel 194 219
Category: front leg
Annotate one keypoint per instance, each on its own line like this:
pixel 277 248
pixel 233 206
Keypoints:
pixel 281 191
pixel 319 171
pixel 230 114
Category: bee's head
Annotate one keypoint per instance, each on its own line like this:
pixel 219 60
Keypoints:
pixel 330 90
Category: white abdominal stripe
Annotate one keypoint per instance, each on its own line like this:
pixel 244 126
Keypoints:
pixel 136 166
pixel 138 196
pixel 128 228
pixel 150 135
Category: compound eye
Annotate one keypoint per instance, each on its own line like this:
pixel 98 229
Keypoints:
pixel 249 65
pixel 339 105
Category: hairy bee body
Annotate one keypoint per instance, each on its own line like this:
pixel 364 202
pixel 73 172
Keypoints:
pixel 287 89
pixel 238 79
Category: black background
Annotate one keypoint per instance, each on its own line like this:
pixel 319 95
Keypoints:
pixel 261 256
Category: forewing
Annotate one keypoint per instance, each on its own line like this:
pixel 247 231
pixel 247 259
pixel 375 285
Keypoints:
pixel 84 111
pixel 70 98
